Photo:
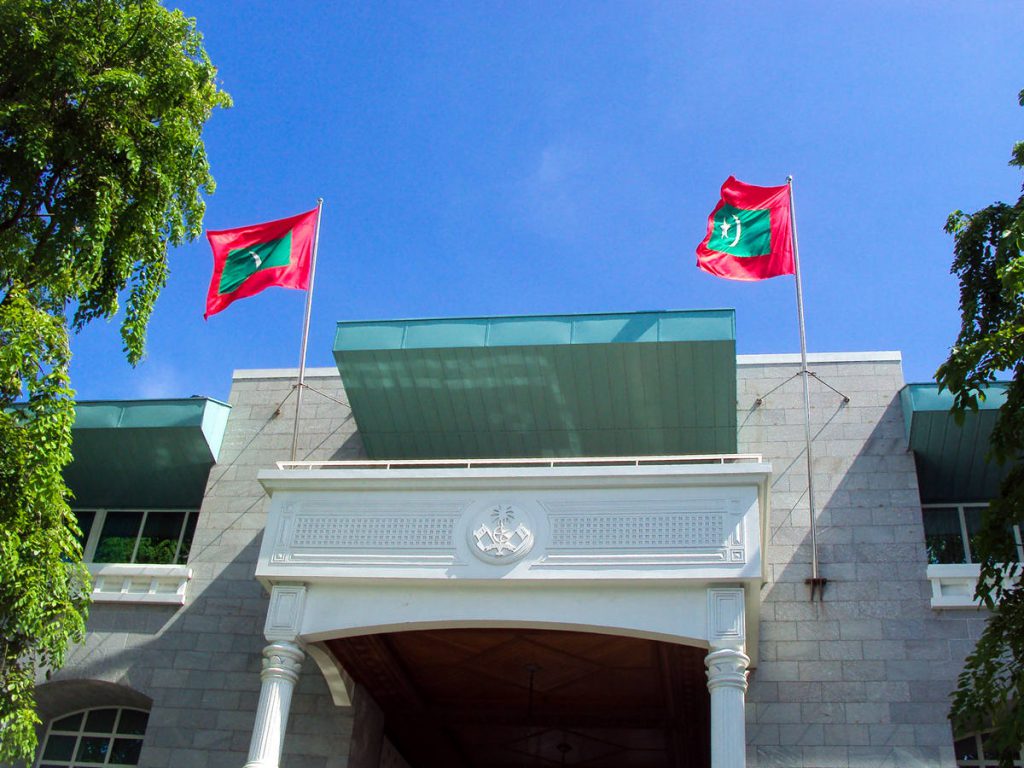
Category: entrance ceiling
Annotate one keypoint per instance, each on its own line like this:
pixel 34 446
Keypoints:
pixel 509 698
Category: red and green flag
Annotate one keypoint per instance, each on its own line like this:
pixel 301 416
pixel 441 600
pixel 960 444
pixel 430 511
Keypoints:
pixel 248 259
pixel 749 234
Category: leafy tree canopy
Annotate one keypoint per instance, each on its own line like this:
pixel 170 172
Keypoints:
pixel 102 167
pixel 989 263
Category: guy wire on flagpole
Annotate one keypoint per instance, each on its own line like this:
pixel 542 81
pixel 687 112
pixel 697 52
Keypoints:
pixel 816 583
pixel 305 330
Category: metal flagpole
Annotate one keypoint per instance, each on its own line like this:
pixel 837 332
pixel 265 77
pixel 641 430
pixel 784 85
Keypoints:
pixel 816 582
pixel 305 330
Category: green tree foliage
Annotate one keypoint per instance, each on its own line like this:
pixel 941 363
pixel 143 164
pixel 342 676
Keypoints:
pixel 989 262
pixel 102 167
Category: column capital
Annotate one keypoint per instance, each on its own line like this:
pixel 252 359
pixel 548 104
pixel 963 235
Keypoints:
pixel 726 617
pixel 727 668
pixel 282 660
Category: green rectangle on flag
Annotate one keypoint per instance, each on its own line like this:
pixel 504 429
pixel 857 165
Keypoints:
pixel 741 232
pixel 242 263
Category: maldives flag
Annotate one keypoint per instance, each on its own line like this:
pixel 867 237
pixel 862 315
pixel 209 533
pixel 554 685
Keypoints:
pixel 749 235
pixel 248 259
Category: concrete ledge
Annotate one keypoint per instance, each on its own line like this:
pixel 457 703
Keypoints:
pixel 820 357
pixel 283 373
pixel 139 583
pixel 953 585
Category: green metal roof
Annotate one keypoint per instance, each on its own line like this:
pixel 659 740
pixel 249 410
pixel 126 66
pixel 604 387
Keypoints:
pixel 951 458
pixel 629 384
pixel 144 453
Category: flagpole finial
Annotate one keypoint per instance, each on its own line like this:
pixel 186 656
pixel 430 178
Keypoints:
pixel 319 201
pixel 789 179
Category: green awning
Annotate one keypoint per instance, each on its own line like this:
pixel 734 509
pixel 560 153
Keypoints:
pixel 144 453
pixel 631 384
pixel 950 457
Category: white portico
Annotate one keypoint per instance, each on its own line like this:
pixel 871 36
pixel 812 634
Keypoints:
pixel 595 606
pixel 663 549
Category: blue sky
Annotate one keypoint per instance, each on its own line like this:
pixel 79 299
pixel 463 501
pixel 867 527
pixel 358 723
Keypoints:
pixel 484 158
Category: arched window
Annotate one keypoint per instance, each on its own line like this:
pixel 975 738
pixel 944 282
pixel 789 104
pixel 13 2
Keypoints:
pixel 107 736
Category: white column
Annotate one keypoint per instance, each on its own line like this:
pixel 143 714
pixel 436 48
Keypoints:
pixel 282 661
pixel 727 681
pixel 727 676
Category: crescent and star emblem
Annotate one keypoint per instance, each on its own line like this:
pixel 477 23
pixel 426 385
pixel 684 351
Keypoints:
pixel 726 226
pixel 256 256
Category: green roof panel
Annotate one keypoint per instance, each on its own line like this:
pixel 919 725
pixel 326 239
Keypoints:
pixel 951 458
pixel 144 453
pixel 644 383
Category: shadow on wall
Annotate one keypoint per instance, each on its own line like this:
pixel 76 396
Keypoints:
pixel 863 676
pixel 198 666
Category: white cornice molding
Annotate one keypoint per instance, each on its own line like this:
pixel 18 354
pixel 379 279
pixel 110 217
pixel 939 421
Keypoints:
pixel 821 357
pixel 283 373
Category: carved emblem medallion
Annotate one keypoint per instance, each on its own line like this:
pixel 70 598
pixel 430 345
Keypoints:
pixel 503 535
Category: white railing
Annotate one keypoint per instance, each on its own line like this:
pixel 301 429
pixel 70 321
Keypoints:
pixel 586 461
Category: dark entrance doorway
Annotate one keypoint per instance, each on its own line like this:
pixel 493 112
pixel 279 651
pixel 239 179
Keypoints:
pixel 516 698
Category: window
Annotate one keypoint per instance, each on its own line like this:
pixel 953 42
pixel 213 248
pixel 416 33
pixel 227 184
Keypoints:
pixel 973 751
pixel 111 736
pixel 950 532
pixel 136 535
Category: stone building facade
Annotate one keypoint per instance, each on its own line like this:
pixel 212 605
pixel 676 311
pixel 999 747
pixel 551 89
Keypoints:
pixel 857 674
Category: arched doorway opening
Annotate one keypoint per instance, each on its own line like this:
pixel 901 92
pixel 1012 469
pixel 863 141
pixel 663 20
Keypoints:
pixel 521 697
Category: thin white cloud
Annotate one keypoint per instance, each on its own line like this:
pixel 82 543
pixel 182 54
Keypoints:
pixel 158 380
pixel 551 196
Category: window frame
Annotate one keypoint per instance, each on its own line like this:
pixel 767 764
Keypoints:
pixel 99 520
pixel 965 540
pixel 979 749
pixel 81 732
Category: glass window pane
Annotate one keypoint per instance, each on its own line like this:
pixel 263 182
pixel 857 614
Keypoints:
pixel 101 721
pixel 972 516
pixel 117 540
pixel 126 752
pixel 966 749
pixel 159 542
pixel 85 519
pixel 186 542
pixel 69 723
pixel 59 747
pixel 93 749
pixel 132 721
pixel 988 752
pixel 942 536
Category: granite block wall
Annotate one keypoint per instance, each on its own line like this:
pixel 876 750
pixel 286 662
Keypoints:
pixel 860 678
pixel 200 663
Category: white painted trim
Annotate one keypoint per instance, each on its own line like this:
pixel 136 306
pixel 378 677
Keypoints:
pixel 122 582
pixel 609 461
pixel 953 585
pixel 241 374
pixel 538 477
pixel 338 681
pixel 284 614
pixel 675 613
pixel 726 626
pixel 820 357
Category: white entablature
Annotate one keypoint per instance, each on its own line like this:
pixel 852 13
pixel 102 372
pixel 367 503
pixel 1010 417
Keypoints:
pixel 661 523
pixel 515 520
